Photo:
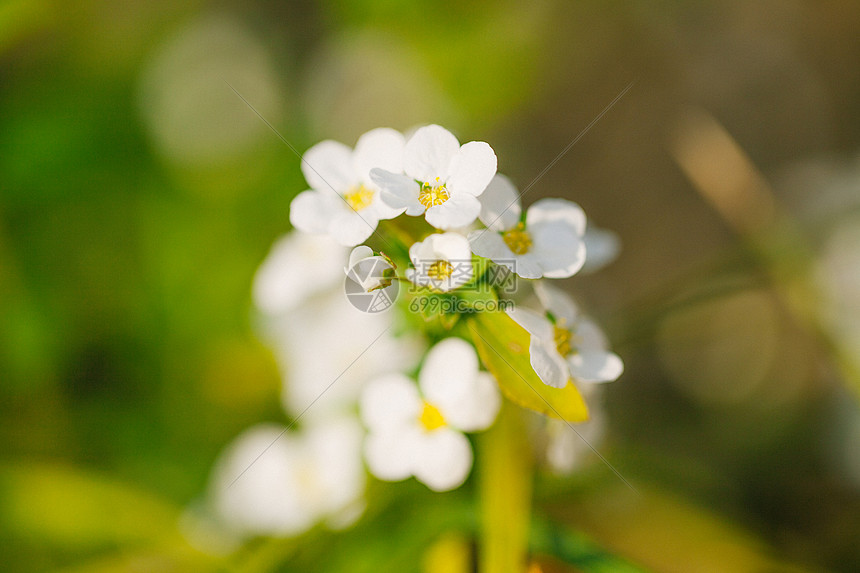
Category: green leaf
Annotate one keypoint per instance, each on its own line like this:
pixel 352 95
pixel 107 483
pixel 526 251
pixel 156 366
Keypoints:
pixel 503 346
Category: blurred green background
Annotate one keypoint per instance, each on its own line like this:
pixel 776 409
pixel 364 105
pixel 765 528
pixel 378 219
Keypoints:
pixel 138 195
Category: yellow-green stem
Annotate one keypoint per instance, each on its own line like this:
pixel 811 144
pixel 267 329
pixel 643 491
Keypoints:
pixel 505 482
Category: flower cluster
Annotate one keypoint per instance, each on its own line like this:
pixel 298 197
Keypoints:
pixel 449 231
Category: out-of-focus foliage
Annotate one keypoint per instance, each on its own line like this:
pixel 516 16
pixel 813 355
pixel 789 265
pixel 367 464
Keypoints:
pixel 138 195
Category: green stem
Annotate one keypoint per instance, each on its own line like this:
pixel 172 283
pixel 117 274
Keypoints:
pixel 505 482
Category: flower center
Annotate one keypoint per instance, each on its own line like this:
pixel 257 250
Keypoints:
pixel 431 418
pixel 518 240
pixel 431 195
pixel 359 197
pixel 563 339
pixel 440 270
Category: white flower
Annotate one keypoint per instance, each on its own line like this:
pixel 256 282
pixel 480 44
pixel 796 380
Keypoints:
pixel 567 449
pixel 601 248
pixel 297 265
pixel 548 244
pixel 421 433
pixel 837 275
pixel 571 346
pixel 439 177
pixel 442 261
pixel 301 479
pixel 328 349
pixel 369 281
pixel 343 201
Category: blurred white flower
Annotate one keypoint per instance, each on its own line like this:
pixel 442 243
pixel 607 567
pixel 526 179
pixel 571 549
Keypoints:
pixel 442 261
pixel 440 178
pixel 601 248
pixel 566 449
pixel 838 275
pixel 421 433
pixel 567 345
pixel 297 266
pixel 194 121
pixel 343 200
pixel 328 350
pixel 291 480
pixel 548 244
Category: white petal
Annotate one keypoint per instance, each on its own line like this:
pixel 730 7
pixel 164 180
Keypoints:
pixel 398 191
pixel 567 449
pixel 500 204
pixel 590 335
pixel 422 251
pixel 527 266
pixel 328 165
pixel 443 459
pixel 379 209
pixel 311 211
pixel 474 407
pixel 379 148
pixel 557 210
pixel 472 168
pixel 297 265
pixel 534 323
pixel 558 302
pixel 601 248
pixel 595 366
pixel 266 499
pixel 559 249
pixel 389 455
pixel 450 246
pixel 358 254
pixel 334 452
pixel 429 152
pixel 449 366
pixel 490 245
pixel 458 211
pixel 390 402
pixel 350 228
pixel 327 352
pixel 547 363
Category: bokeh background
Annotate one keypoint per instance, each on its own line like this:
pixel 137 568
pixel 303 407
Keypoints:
pixel 138 195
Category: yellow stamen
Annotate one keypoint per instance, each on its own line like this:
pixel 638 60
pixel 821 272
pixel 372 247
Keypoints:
pixel 359 197
pixel 518 240
pixel 440 270
pixel 431 418
pixel 562 338
pixel 431 195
